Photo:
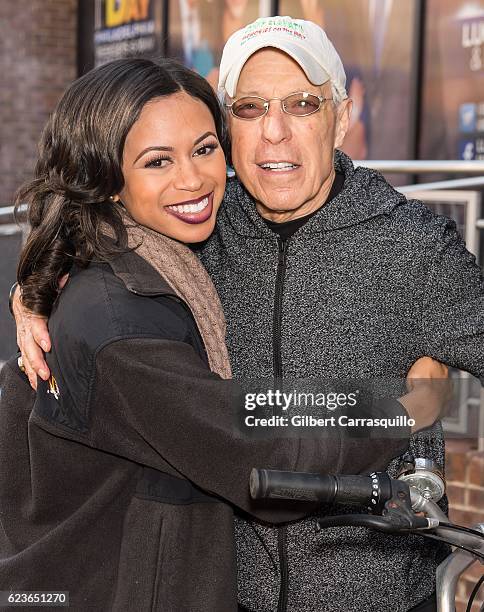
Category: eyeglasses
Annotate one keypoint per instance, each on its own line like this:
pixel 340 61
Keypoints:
pixel 299 104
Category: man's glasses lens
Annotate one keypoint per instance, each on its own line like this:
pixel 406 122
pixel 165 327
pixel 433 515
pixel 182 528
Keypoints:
pixel 249 108
pixel 299 104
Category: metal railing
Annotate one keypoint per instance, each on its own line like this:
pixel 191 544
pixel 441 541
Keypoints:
pixel 10 224
pixel 465 183
pixel 431 167
pixel 7 213
pixel 424 166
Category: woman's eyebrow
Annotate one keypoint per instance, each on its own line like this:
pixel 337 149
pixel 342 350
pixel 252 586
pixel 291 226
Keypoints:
pixel 156 148
pixel 199 140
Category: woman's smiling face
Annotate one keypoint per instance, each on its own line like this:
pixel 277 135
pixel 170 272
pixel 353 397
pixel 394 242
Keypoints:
pixel 174 168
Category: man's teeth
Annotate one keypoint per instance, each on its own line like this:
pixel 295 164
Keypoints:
pixel 190 208
pixel 278 166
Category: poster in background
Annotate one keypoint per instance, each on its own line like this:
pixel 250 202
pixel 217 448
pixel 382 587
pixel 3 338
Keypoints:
pixel 376 40
pixel 453 87
pixel 198 30
pixel 127 28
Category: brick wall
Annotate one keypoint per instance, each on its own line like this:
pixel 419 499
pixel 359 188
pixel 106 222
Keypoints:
pixel 38 58
pixel 465 488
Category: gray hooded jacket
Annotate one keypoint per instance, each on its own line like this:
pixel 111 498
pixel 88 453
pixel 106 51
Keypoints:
pixel 368 285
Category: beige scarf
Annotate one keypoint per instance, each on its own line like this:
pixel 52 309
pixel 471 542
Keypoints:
pixel 182 270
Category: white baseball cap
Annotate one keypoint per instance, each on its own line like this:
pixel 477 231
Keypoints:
pixel 304 41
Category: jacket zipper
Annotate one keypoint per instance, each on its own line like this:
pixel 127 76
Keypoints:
pixel 276 330
pixel 277 365
pixel 282 548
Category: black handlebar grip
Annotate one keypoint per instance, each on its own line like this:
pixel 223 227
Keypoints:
pixel 355 490
pixel 274 484
pixel 322 488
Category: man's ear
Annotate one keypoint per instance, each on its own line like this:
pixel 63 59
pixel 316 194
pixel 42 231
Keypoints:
pixel 343 114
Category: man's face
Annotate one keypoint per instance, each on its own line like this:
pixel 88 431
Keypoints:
pixel 307 143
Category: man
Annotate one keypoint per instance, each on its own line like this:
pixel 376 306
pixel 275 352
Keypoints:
pixel 343 277
pixel 326 271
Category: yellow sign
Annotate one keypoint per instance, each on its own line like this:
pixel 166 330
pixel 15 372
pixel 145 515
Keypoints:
pixel 119 12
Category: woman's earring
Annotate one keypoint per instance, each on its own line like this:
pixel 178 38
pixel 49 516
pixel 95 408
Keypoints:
pixel 114 198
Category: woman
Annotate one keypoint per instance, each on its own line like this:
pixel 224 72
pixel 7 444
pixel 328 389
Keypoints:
pixel 128 465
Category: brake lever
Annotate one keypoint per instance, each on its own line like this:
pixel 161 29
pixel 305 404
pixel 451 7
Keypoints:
pixel 397 515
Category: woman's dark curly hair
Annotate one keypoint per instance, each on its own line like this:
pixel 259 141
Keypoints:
pixel 79 168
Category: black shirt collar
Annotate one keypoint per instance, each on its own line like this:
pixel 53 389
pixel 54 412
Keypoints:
pixel 286 229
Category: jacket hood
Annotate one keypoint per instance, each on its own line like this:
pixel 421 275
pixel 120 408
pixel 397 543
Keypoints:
pixel 365 194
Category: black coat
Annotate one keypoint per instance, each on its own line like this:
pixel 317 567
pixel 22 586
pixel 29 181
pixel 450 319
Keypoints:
pixel 120 484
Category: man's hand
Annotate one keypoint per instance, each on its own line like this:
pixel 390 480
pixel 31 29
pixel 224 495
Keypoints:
pixel 33 338
pixel 430 391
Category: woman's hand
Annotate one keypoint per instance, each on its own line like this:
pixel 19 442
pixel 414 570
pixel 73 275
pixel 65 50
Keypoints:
pixel 33 338
pixel 430 391
pixel 424 368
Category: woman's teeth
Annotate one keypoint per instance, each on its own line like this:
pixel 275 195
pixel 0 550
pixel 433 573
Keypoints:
pixel 190 208
pixel 278 166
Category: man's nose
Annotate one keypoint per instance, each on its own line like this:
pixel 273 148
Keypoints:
pixel 276 124
pixel 188 177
